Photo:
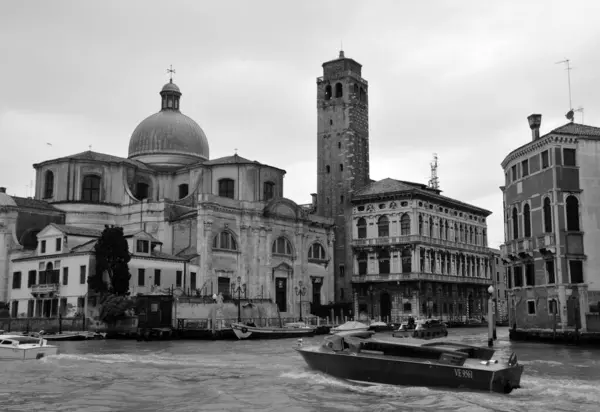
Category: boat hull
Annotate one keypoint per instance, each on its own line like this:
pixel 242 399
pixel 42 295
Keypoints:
pixel 251 332
pixel 12 353
pixel 411 373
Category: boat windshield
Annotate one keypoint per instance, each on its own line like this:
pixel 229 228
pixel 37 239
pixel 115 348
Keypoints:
pixel 21 339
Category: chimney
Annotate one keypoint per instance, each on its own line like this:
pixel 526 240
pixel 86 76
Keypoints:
pixel 535 120
pixel 2 190
pixel 314 199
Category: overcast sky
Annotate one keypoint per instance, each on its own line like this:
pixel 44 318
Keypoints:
pixel 455 78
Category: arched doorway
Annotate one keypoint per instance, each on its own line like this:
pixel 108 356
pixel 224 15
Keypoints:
pixel 385 306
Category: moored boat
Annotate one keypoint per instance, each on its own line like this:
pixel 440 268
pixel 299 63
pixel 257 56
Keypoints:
pixel 423 329
pixel 244 331
pixel 19 347
pixel 350 326
pixel 433 364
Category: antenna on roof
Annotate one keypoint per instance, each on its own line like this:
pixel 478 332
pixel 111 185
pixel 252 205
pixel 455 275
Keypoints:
pixel 570 114
pixel 434 181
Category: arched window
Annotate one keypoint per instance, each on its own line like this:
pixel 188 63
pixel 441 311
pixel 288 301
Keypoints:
pixel 547 216
pixel 362 95
pixel 456 232
pixel 316 251
pixel 362 228
pixel 183 190
pixel 363 260
pixel 90 190
pixel 384 262
pixel 339 90
pixel 430 227
pixel 406 260
pixel 572 213
pixel 515 223
pixel 471 234
pixel 484 239
pixel 225 241
pixel 48 184
pixel 355 88
pixel 526 221
pixel 383 227
pixel 282 246
pixel 226 188
pixel 405 225
pixel 462 234
pixel 141 190
pixel 268 190
pixel 420 225
pixel 328 92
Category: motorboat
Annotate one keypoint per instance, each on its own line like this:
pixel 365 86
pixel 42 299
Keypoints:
pixel 431 364
pixel 350 326
pixel 423 329
pixel 25 347
pixel 251 331
pixel 380 326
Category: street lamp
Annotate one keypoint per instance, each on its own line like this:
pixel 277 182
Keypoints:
pixel 300 291
pixel 491 316
pixel 239 289
pixel 372 296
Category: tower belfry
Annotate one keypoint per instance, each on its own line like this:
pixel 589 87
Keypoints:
pixel 342 155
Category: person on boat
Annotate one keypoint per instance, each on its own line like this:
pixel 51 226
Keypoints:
pixel 411 322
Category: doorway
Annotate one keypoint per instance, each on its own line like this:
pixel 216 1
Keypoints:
pixel 385 306
pixel 281 294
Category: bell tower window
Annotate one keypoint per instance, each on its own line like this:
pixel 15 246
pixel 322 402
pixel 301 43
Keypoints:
pixel 339 90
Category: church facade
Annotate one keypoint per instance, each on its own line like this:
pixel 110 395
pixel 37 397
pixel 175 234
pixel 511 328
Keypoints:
pixel 196 225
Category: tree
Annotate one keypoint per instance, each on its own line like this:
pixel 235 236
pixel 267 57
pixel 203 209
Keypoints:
pixel 112 258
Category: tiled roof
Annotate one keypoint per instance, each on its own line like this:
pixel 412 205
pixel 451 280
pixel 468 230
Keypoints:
pixel 86 247
pixel 97 157
pixel 188 253
pixel 159 255
pixel 576 129
pixel 78 231
pixel 28 203
pixel 235 159
pixel 386 185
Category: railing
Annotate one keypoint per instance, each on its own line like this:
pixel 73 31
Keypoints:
pixel 45 288
pixel 419 276
pixel 207 323
pixel 391 240
pixel 546 241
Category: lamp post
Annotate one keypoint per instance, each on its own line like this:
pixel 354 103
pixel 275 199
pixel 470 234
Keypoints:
pixel 300 291
pixel 491 316
pixel 372 296
pixel 239 289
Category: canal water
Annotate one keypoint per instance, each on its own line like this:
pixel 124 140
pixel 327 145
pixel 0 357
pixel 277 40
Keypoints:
pixel 178 376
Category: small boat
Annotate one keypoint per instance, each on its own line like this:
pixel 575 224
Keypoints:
pixel 25 347
pixel 296 330
pixel 423 329
pixel 433 364
pixel 350 326
pixel 380 326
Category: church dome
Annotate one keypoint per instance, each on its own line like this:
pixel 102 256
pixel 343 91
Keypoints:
pixel 168 138
pixel 6 200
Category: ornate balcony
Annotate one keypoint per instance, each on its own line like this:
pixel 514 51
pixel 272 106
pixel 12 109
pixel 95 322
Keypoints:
pixel 518 249
pixel 415 276
pixel 392 240
pixel 45 289
pixel 546 243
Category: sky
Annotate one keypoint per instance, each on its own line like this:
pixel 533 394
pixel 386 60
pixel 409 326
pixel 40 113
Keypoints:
pixel 454 78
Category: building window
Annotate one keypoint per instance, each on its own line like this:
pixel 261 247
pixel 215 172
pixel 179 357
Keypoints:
pixel 225 241
pixel 362 228
pixel 193 281
pixel 526 221
pixel 342 271
pixel 142 246
pixel 316 251
pixel 518 271
pixel 547 215
pixel 178 278
pixel 327 169
pixel 156 277
pixel 183 190
pixel 569 157
pixel 363 260
pixel 48 184
pixel 226 188
pixel 405 225
pixel 328 92
pixel 406 260
pixel 384 262
pixel 515 223
pixel 514 172
pixel 530 274
pixel 430 227
pixel 383 227
pixel 141 277
pixel 572 213
pixel 341 167
pixel 550 271
pixel 90 190
pixel 16 283
pixel 525 167
pixel 141 190
pixel 545 159
pixel 31 278
pixel 342 199
pixel 65 276
pixel 552 307
pixel 43 247
pixel 268 190
pixel 531 307
pixel 339 145
pixel 82 274
pixel 339 91
pixel 282 246
pixel 575 270
pixel 58 244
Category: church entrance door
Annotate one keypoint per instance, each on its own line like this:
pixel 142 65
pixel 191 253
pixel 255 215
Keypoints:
pixel 281 294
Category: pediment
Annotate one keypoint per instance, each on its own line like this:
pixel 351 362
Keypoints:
pixel 283 207
pixel 49 231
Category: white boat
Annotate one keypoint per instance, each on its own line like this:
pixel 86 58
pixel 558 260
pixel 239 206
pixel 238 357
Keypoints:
pixel 24 347
pixel 350 326
pixel 295 330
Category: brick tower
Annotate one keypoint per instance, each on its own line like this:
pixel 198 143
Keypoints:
pixel 342 156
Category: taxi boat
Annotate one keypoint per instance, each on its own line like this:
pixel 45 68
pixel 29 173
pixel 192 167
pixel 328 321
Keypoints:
pixel 432 364
pixel 25 347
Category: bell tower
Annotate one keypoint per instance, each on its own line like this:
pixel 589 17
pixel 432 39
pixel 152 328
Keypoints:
pixel 342 156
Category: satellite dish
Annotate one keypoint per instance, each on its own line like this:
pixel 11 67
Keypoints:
pixel 570 115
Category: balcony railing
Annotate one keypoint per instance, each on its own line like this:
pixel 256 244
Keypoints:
pixel 414 276
pixel 391 240
pixel 526 246
pixel 45 288
pixel 546 241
